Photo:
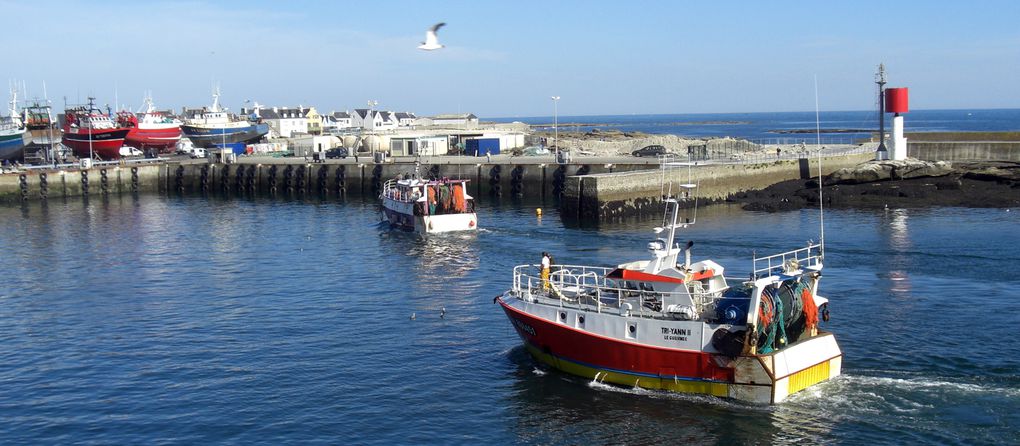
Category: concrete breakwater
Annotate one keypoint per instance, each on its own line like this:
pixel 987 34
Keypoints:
pixel 505 179
pixel 511 178
pixel 599 197
pixel 591 191
pixel 43 184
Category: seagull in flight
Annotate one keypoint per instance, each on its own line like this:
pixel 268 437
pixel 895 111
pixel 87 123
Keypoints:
pixel 431 40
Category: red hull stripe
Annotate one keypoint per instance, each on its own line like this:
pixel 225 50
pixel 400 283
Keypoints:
pixel 605 353
pixel 628 372
pixel 639 276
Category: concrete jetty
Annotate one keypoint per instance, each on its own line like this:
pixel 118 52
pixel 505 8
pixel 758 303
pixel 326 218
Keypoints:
pixel 599 197
pixel 592 188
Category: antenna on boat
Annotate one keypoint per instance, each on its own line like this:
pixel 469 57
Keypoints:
pixel 818 141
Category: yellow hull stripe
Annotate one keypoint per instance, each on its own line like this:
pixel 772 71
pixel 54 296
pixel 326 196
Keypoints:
pixel 623 379
pixel 808 377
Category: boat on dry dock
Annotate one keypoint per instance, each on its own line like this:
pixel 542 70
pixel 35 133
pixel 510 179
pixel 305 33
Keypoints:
pixel 14 134
pixel 672 324
pixel 216 127
pixel 151 129
pixel 89 132
pixel 428 205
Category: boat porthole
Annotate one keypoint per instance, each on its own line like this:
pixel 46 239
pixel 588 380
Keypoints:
pixel 632 328
pixel 580 319
pixel 563 315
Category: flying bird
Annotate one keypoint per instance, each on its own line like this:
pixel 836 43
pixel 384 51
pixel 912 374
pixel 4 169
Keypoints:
pixel 431 40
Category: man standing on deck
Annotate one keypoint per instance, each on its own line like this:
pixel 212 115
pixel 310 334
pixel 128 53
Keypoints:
pixel 546 262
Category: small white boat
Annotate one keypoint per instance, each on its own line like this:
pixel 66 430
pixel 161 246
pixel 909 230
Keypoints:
pixel 428 206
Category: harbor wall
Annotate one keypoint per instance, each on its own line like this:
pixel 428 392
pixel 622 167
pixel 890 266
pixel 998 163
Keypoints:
pixel 598 190
pixel 486 179
pixel 964 150
pixel 44 184
pixel 609 196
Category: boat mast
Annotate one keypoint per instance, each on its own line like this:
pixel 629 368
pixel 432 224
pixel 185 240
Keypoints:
pixel 818 139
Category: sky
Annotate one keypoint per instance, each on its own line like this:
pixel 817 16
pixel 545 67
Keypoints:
pixel 508 58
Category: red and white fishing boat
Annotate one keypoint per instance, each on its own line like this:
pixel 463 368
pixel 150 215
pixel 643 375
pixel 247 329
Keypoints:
pixel 428 206
pixel 155 129
pixel 90 132
pixel 672 324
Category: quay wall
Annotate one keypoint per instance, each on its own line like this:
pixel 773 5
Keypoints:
pixel 38 184
pixel 964 150
pixel 608 196
pixel 505 179
pixel 591 189
pixel 343 179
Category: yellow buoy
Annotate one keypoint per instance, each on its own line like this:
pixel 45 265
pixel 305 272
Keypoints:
pixel 538 212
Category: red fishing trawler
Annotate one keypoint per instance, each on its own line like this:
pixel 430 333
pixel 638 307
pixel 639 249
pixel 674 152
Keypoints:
pixel 91 133
pixel 154 129
pixel 668 323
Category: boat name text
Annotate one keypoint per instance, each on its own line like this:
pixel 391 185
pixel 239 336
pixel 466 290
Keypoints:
pixel 523 327
pixel 675 334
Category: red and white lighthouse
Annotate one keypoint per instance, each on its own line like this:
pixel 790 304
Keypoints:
pixel 896 103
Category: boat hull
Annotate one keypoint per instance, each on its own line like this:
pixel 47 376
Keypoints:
pixel 400 215
pixel 566 346
pixel 12 145
pixel 104 143
pixel 209 137
pixel 164 140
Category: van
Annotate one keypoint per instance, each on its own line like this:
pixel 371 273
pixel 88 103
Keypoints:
pixel 128 151
pixel 198 152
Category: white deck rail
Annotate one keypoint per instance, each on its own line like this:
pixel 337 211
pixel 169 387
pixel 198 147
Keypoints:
pixel 787 262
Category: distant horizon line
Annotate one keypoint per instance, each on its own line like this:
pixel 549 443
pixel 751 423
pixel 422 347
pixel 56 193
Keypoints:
pixel 749 113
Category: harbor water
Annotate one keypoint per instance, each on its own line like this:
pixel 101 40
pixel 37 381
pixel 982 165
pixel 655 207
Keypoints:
pixel 207 320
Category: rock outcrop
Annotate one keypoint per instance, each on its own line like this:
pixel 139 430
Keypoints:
pixel 890 170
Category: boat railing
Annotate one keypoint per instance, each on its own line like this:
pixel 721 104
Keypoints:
pixel 588 288
pixel 789 262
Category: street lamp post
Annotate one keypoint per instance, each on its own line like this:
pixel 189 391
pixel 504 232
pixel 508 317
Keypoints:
pixel 371 115
pixel 556 134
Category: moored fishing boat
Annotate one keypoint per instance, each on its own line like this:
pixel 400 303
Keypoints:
pixel 215 126
pixel 154 129
pixel 37 116
pixel 90 132
pixel 14 134
pixel 672 324
pixel 428 206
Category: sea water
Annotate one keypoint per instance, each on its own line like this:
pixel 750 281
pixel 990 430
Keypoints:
pixel 152 319
pixel 791 127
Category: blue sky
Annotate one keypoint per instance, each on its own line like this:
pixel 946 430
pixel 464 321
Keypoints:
pixel 506 59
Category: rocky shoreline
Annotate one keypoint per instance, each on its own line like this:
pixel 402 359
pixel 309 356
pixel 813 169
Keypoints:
pixel 897 184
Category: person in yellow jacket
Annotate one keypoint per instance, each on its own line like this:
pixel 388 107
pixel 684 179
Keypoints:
pixel 546 263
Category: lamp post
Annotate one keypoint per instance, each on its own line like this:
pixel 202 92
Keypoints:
pixel 556 134
pixel 371 116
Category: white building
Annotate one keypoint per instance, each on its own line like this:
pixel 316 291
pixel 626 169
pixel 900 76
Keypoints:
pixel 286 122
pixel 373 119
pixel 336 121
pixel 461 121
pixel 405 119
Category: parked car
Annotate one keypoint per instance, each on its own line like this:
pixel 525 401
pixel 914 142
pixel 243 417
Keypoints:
pixel 336 152
pixel 128 151
pixel 197 152
pixel 654 150
pixel 535 151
